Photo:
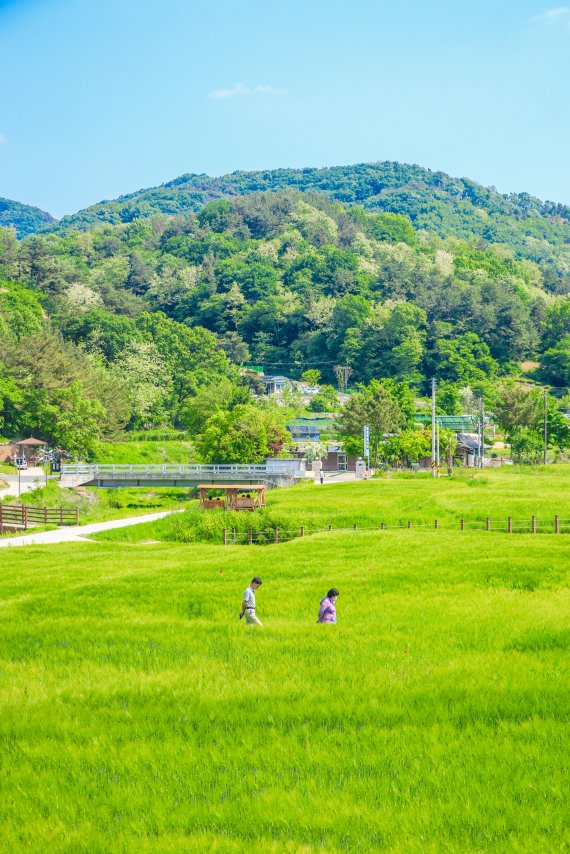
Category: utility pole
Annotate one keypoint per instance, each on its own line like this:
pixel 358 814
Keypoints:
pixel 433 459
pixel 482 434
pixel 437 431
pixel 545 430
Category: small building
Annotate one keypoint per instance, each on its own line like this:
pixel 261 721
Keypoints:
pixel 306 429
pixel 337 460
pixel 468 449
pixel 275 384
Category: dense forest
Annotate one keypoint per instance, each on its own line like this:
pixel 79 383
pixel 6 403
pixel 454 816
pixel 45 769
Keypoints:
pixel 147 323
pixel 433 201
pixel 23 218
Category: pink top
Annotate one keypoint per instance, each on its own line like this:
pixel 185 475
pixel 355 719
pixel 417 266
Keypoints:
pixel 327 611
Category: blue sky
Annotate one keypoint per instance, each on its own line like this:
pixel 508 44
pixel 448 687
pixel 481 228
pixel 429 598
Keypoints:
pixel 103 98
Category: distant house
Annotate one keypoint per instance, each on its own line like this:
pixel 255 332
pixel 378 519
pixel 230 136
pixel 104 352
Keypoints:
pixel 468 449
pixel 275 384
pixel 338 460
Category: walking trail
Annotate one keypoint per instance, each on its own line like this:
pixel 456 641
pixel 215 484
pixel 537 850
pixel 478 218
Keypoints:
pixel 79 533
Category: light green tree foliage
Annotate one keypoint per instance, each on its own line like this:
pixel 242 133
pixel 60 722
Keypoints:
pixel 55 391
pixel 20 310
pixel 210 399
pixel 246 434
pixel 466 360
pixel 148 381
pixel 311 376
pixel 448 399
pixel 314 451
pixel 527 445
pixel 372 406
pixel 519 410
pixel 76 420
pixel 555 363
pixel 325 401
pixel 407 447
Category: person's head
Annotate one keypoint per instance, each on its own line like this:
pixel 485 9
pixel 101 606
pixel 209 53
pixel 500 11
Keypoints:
pixel 333 593
pixel 256 582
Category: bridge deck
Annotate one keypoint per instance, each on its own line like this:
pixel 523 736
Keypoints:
pixel 272 473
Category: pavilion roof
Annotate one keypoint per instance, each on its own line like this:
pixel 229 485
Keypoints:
pixel 30 441
pixel 257 486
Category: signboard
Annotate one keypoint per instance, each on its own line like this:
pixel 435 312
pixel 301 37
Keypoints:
pixel 367 441
pixel 360 469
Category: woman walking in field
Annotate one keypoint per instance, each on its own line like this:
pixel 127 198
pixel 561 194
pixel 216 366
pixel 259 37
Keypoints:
pixel 327 609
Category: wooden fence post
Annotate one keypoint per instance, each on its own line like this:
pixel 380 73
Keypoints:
pixel 250 537
pixel 1 519
pixel 436 524
pixel 276 535
pixel 25 514
pixel 409 523
pixel 77 516
pixel 510 525
pixel 382 525
pixel 45 515
pixel 533 525
pixel 234 535
pixel 487 524
pixel 462 526
pixel 225 537
pixel 302 532
pixel 556 522
pixel 355 526
pixel 330 527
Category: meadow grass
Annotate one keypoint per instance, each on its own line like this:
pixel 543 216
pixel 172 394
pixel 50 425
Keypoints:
pixel 139 714
pixel 139 451
pixel 393 500
pixel 98 505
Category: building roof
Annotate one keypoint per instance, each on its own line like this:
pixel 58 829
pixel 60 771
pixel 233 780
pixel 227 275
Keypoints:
pixel 257 487
pixel 30 442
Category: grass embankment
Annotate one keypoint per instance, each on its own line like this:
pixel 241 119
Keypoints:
pixel 154 452
pixel 394 500
pixel 99 505
pixel 138 714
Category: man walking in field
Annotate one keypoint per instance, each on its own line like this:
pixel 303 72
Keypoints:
pixel 248 603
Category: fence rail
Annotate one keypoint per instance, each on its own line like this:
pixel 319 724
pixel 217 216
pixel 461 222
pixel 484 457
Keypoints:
pixel 555 525
pixel 19 516
pixel 286 466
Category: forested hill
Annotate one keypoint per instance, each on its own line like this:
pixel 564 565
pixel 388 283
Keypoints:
pixel 129 324
pixel 24 218
pixel 433 201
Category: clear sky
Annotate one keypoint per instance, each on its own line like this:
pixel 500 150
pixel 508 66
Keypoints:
pixel 103 97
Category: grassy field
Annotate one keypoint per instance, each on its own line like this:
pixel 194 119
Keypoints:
pixel 137 713
pixel 152 452
pixel 394 500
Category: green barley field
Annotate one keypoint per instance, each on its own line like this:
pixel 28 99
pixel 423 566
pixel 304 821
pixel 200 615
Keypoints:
pixel 137 713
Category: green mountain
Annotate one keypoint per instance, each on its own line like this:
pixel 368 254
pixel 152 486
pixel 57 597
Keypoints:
pixel 24 218
pixel 148 323
pixel 433 201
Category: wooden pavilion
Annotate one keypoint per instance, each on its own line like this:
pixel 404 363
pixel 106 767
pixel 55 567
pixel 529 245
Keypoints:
pixel 234 498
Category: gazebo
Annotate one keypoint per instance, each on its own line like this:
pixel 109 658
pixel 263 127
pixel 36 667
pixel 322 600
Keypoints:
pixel 28 448
pixel 234 497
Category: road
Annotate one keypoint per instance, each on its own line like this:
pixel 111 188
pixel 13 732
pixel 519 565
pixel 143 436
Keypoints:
pixel 29 479
pixel 79 534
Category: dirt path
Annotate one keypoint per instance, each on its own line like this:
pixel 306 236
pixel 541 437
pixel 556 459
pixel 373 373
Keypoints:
pixel 79 534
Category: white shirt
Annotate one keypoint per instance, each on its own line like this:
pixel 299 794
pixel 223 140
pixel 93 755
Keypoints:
pixel 249 597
